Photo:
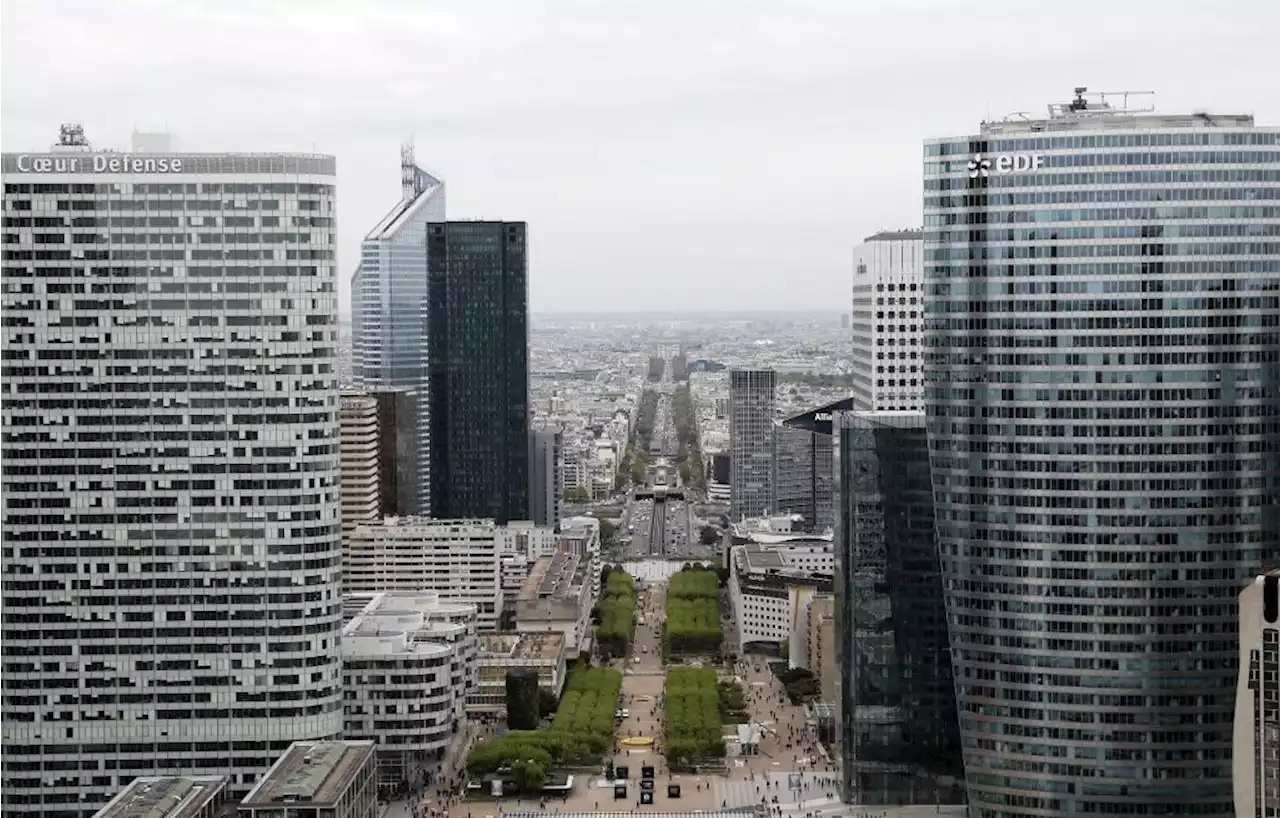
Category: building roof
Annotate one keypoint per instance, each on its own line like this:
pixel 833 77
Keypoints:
pixel 558 576
pixel 311 772
pixel 897 235
pixel 179 796
pixel 819 420
pixel 523 645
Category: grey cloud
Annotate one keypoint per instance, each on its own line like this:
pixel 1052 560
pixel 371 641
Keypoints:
pixel 734 150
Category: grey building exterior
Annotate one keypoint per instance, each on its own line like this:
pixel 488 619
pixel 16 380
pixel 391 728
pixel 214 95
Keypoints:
pixel 171 451
pixel 897 730
pixel 1101 340
pixel 388 303
pixel 546 488
pixel 888 313
pixel 751 412
pixel 478 370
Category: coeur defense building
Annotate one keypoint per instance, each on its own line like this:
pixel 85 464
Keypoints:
pixel 171 530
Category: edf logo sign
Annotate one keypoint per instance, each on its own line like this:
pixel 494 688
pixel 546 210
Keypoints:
pixel 1022 163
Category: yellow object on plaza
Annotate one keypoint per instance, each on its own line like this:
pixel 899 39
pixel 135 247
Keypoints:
pixel 638 741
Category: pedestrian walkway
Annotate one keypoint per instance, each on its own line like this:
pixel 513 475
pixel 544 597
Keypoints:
pixel 791 793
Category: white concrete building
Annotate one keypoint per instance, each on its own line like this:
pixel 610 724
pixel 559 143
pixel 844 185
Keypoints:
pixel 178 796
pixel 558 595
pixel 541 652
pixel 334 779
pixel 887 322
pixel 171 480
pixel 770 589
pixel 458 559
pixel 408 666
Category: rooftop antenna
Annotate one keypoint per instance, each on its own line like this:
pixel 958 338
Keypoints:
pixel 411 181
pixel 71 135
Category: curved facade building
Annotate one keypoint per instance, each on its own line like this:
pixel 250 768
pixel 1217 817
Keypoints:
pixel 172 514
pixel 1101 345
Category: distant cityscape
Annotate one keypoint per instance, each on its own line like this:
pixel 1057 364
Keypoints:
pixel 995 536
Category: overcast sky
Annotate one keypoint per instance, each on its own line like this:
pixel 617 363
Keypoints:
pixel 667 155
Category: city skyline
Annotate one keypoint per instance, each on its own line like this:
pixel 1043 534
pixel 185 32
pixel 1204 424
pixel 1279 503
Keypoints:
pixel 710 132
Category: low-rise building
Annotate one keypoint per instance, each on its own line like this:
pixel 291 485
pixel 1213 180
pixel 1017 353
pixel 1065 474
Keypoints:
pixel 539 652
pixel 558 595
pixel 177 796
pixel 769 592
pixel 409 662
pixel 334 779
pixel 458 559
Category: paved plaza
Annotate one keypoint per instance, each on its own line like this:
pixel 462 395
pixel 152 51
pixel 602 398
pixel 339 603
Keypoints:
pixel 791 777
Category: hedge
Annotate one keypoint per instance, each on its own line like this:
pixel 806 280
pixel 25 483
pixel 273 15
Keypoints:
pixel 581 732
pixel 617 608
pixel 693 728
pixel 693 612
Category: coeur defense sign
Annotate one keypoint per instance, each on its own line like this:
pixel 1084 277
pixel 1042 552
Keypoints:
pixel 99 163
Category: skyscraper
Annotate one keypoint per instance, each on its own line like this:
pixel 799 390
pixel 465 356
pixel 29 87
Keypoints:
pixel 1101 339
pixel 478 370
pixel 897 731
pixel 546 489
pixel 804 466
pixel 388 301
pixel 751 410
pixel 888 316
pixel 1256 756
pixel 171 536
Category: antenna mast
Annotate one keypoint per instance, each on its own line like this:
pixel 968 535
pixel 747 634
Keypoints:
pixel 410 184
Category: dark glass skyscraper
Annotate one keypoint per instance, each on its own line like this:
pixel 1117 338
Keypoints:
pixel 898 734
pixel 478 369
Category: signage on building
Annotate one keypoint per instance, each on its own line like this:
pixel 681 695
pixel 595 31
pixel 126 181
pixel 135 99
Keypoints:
pixel 981 165
pixel 98 163
pixel 822 417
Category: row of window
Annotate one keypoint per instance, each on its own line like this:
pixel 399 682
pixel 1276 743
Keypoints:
pixel 1170 138
pixel 987 199
pixel 168 189
pixel 1127 159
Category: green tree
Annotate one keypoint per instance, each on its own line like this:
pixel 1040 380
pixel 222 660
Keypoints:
pixel 708 535
pixel 529 775
pixel 522 700
pixel 546 702
pixel 576 494
pixel 607 533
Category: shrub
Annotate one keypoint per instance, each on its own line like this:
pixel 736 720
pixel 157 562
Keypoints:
pixel 693 612
pixel 693 728
pixel 617 611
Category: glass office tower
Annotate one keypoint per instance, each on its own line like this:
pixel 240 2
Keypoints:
pixel 899 741
pixel 1101 339
pixel 478 370
pixel 388 302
